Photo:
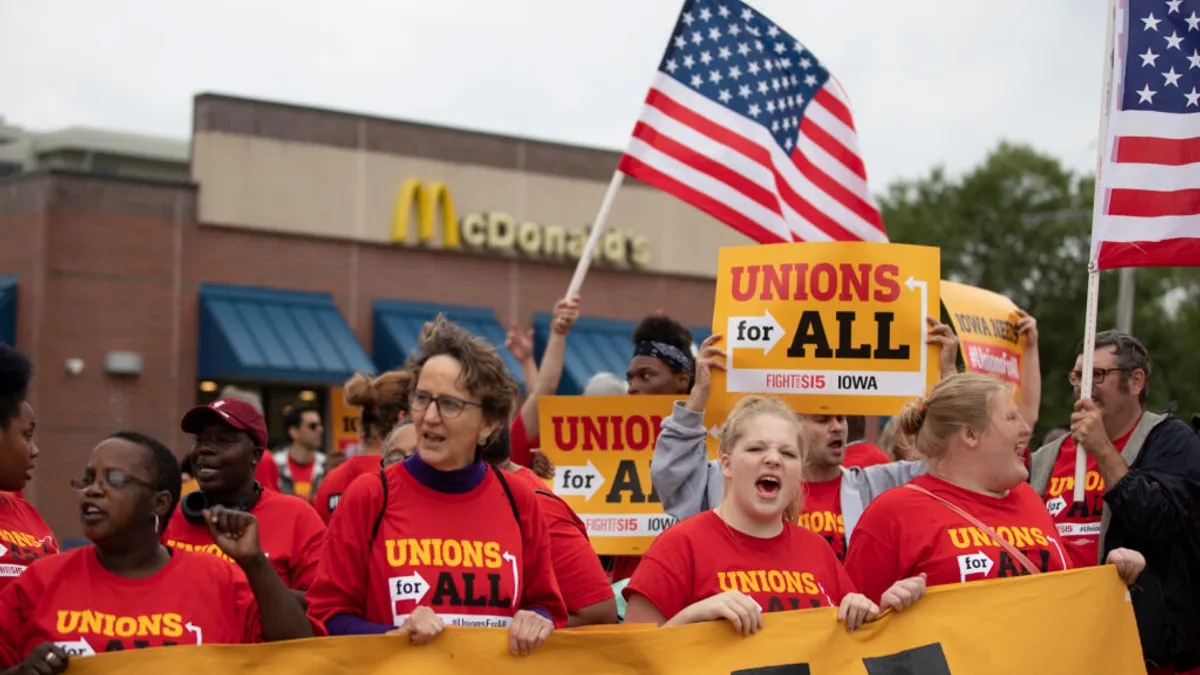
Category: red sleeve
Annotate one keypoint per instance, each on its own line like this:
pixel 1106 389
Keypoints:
pixel 267 474
pixel 330 486
pixel 663 575
pixel 340 586
pixel 873 562
pixel 16 602
pixel 541 586
pixel 308 543
pixel 580 575
pixel 522 447
pixel 245 606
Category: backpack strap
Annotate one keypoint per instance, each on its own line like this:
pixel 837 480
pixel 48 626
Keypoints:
pixel 512 503
pixel 1012 550
pixel 382 509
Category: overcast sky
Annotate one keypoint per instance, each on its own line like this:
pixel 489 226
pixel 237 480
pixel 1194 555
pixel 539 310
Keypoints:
pixel 931 81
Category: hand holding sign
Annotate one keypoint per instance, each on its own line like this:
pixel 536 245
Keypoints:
pixel 709 357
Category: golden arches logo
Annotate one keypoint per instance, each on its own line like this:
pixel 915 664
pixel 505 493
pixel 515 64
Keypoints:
pixel 427 197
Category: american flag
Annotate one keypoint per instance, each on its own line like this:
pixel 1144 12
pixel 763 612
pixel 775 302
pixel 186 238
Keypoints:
pixel 744 123
pixel 1150 168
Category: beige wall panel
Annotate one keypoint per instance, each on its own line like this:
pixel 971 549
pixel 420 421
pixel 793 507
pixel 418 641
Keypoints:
pixel 327 191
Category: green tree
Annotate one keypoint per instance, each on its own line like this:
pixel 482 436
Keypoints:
pixel 1020 224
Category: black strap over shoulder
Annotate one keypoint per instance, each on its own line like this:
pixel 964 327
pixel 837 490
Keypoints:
pixel 508 493
pixel 512 503
pixel 382 509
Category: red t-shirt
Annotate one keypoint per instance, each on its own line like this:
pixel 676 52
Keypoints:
pixel 267 473
pixel 702 556
pixel 336 482
pixel 290 533
pixel 1078 523
pixel 535 481
pixel 581 577
pixel 623 567
pixel 464 555
pixel 904 533
pixel 301 477
pixel 863 454
pixel 521 442
pixel 72 601
pixel 822 513
pixel 24 537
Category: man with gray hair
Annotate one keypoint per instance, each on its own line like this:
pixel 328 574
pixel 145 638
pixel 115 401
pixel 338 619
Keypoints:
pixel 1142 492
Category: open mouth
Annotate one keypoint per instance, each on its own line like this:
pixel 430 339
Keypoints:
pixel 92 513
pixel 206 472
pixel 432 440
pixel 768 487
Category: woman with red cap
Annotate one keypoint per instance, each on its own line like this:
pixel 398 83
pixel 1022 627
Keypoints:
pixel 230 436
pixel 24 536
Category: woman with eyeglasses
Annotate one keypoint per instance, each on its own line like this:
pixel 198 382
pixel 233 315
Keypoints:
pixel 383 402
pixel 230 436
pixel 127 590
pixel 441 538
pixel 24 536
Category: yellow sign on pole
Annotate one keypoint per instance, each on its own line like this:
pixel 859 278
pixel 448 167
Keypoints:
pixel 601 447
pixel 834 328
pixel 343 420
pixel 986 324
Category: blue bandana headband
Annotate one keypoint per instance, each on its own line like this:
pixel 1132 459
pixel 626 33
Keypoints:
pixel 672 356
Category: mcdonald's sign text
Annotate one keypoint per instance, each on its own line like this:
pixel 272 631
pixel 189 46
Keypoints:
pixel 433 207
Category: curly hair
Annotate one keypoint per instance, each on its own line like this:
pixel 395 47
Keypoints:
pixel 382 400
pixel 483 372
pixel 15 373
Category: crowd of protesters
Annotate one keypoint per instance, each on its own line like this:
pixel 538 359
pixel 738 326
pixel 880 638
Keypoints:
pixel 445 518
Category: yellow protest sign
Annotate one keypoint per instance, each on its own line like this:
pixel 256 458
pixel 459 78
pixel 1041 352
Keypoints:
pixel 977 628
pixel 343 421
pixel 986 324
pixel 831 327
pixel 601 447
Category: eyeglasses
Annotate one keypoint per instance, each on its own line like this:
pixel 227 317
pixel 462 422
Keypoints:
pixel 1075 377
pixel 113 478
pixel 449 407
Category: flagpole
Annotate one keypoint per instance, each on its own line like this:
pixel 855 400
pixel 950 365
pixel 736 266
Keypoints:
pixel 1093 292
pixel 585 260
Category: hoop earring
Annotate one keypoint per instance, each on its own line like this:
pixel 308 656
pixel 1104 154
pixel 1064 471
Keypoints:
pixel 156 523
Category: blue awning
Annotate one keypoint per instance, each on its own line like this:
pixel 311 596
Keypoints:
pixel 249 333
pixel 594 346
pixel 8 310
pixel 396 327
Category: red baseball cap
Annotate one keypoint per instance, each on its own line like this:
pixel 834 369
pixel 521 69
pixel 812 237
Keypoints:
pixel 231 412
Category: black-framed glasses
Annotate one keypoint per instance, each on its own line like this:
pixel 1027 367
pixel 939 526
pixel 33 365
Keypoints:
pixel 113 478
pixel 448 406
pixel 1075 377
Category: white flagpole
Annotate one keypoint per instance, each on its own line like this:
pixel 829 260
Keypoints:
pixel 585 260
pixel 1093 292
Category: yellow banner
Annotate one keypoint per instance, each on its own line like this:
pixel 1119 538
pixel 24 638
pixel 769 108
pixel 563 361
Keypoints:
pixel 981 628
pixel 986 324
pixel 832 327
pixel 343 420
pixel 601 447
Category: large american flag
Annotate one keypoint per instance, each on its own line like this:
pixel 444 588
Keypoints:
pixel 744 123
pixel 1150 166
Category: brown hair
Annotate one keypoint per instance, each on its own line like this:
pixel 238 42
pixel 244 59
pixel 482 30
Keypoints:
pixel 382 400
pixel 957 401
pixel 734 428
pixel 483 372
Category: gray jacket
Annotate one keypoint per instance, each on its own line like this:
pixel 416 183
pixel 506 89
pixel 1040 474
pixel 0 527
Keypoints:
pixel 688 483
pixel 1041 465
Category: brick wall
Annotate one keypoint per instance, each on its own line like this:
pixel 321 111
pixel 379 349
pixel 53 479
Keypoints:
pixel 109 264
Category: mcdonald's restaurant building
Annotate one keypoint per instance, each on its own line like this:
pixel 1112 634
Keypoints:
pixel 308 245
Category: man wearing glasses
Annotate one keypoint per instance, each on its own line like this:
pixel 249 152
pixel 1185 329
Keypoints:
pixel 301 465
pixel 1142 492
